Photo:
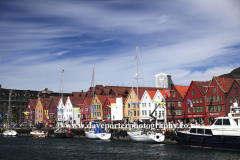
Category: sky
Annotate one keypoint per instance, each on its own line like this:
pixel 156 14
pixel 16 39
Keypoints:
pixel 189 40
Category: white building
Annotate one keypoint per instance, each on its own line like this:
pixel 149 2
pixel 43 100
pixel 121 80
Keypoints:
pixel 116 109
pixel 72 111
pixel 60 112
pixel 163 80
pixel 148 105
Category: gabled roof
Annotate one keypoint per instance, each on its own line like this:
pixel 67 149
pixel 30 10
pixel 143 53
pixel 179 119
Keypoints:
pixel 112 100
pixel 238 81
pixel 141 90
pixel 76 94
pixel 76 100
pixel 200 85
pixel 182 90
pixel 224 83
pixel 45 101
pixel 102 98
pixel 151 94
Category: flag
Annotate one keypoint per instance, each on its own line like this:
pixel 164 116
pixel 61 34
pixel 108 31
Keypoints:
pixel 169 94
pixel 161 103
pixel 190 102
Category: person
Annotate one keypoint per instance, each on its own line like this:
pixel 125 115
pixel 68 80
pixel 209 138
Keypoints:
pixel 212 121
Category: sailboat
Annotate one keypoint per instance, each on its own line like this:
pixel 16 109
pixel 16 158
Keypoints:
pixel 150 136
pixel 97 132
pixel 62 132
pixel 9 132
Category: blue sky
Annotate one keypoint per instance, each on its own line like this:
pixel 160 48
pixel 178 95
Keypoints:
pixel 190 40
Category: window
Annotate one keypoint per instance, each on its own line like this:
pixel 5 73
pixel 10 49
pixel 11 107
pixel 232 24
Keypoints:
pixel 128 113
pixel 178 112
pixel 211 98
pixel 220 98
pixel 218 122
pixel 149 104
pixel 142 112
pixel 28 106
pixel 193 130
pixel 201 108
pixel 198 109
pixel 226 122
pixel 194 109
pixel 230 100
pixel 173 94
pixel 208 131
pixel 169 112
pixel 201 100
pixel 197 100
pixel 169 104
pixel 237 99
pixel 155 113
pixel 212 108
pixel 172 104
pixel 236 90
pixel 220 108
pixel 193 100
pixel 51 115
pixel 134 113
pixel 138 113
pixel 215 97
pixel 86 109
pixel 128 105
pixel 82 116
pixel 189 110
pixel 214 89
pixel 179 104
pixel 149 112
pixel 145 112
pixel 208 100
pixel 200 131
pixel 193 92
pixel 188 102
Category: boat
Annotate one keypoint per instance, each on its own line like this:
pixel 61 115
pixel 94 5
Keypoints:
pixel 150 136
pixel 97 132
pixel 63 133
pixel 224 133
pixel 9 132
pixel 39 133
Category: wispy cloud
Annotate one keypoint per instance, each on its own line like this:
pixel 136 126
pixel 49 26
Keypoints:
pixel 191 40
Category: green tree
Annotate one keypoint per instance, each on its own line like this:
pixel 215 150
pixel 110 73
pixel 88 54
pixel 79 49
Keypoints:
pixel 14 117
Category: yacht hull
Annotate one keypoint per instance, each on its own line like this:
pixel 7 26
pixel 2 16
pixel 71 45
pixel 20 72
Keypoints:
pixel 102 136
pixel 10 133
pixel 225 142
pixel 157 138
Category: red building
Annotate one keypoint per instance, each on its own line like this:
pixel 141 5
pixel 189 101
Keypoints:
pixel 86 111
pixel 175 103
pixel 195 93
pixel 29 111
pixel 107 110
pixel 232 95
pixel 53 108
pixel 215 97
pixel 46 114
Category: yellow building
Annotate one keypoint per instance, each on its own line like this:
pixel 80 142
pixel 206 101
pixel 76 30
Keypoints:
pixel 131 102
pixel 97 105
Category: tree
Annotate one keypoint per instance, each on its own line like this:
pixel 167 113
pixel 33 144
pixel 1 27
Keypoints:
pixel 14 117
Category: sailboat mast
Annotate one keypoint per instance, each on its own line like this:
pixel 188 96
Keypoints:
pixel 62 95
pixel 93 93
pixel 137 81
pixel 8 113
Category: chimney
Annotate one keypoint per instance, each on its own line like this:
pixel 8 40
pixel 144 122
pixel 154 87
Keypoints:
pixel 82 91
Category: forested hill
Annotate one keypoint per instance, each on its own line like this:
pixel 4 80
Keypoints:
pixel 234 74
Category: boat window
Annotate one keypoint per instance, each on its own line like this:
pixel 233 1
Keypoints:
pixel 226 122
pixel 200 131
pixel 218 122
pixel 193 130
pixel 208 131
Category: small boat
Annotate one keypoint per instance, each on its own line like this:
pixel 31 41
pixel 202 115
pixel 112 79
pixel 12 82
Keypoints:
pixel 224 133
pixel 97 132
pixel 151 136
pixel 63 133
pixel 10 132
pixel 39 133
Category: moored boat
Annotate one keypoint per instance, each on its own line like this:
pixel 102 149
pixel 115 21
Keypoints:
pixel 39 133
pixel 63 133
pixel 224 133
pixel 10 132
pixel 97 132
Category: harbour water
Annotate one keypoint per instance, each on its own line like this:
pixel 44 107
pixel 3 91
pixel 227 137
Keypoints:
pixel 13 148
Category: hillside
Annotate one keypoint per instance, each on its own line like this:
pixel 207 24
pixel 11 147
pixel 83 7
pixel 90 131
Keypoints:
pixel 234 74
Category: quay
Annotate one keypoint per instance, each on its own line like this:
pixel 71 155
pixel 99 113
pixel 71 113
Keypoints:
pixel 116 134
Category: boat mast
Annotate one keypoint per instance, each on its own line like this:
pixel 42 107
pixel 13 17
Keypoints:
pixel 137 79
pixel 8 113
pixel 62 96
pixel 93 92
